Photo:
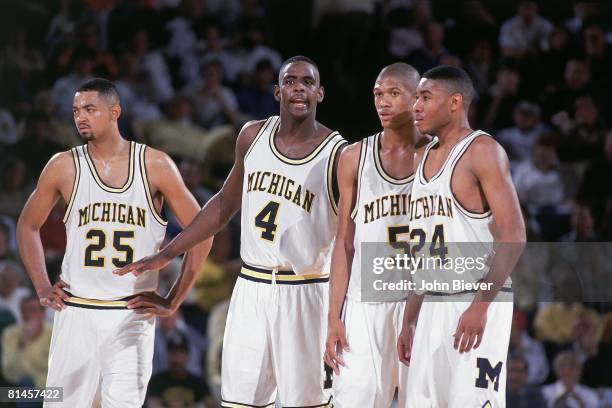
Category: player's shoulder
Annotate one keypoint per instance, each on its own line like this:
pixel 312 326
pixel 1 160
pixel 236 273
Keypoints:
pixel 484 143
pixel 248 133
pixel 485 152
pixel 351 152
pixel 349 157
pixel 61 161
pixel 154 157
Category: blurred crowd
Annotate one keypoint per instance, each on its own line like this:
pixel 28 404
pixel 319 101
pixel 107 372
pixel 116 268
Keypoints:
pixel 190 73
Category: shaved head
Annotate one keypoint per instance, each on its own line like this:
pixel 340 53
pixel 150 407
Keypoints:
pixel 402 72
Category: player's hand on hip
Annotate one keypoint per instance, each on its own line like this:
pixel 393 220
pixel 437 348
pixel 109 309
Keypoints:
pixel 151 303
pixel 404 343
pixel 471 327
pixel 149 263
pixel 334 346
pixel 54 296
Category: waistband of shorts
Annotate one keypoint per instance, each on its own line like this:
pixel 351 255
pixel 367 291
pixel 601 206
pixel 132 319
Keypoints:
pixel 86 303
pixel 263 275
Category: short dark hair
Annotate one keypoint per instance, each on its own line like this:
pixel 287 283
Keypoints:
pixel 455 79
pixel 298 58
pixel 104 87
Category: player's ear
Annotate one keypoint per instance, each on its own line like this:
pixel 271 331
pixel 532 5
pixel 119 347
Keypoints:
pixel 320 94
pixel 277 93
pixel 456 101
pixel 115 111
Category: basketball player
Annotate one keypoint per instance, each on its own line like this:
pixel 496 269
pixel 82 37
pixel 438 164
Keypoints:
pixel 462 191
pixel 282 181
pixel 376 171
pixel 103 331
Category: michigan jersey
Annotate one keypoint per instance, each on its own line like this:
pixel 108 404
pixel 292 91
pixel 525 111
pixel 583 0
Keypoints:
pixel 380 211
pixel 288 210
pixel 440 227
pixel 108 228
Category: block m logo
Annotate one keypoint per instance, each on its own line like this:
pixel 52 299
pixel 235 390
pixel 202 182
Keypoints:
pixel 487 373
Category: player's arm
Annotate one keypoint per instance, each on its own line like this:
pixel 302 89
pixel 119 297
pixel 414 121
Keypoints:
pixel 58 171
pixel 342 255
pixel 491 168
pixel 164 177
pixel 212 217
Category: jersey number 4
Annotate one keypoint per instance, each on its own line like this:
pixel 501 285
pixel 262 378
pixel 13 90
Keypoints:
pixel 98 238
pixel 418 238
pixel 266 220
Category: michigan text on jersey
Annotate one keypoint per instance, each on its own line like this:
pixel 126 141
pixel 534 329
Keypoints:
pixel 112 212
pixel 279 185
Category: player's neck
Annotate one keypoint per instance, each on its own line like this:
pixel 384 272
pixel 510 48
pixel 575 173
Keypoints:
pixel 453 132
pixel 297 130
pixel 108 146
pixel 403 137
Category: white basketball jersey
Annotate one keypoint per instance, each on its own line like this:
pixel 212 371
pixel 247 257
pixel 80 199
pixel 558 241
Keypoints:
pixel 288 211
pixel 439 223
pixel 109 227
pixel 380 211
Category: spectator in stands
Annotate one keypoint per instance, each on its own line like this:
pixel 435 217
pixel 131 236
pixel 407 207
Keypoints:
pixel 584 10
pixel 213 47
pixel 257 99
pixel 83 60
pixel 177 135
pixel 433 51
pixel 16 187
pixel 132 88
pixel 403 31
pixel 251 48
pixel 192 176
pixel 88 37
pixel 214 104
pixel 503 95
pixel 594 353
pixel 597 52
pixel 583 130
pixel 36 147
pixel 12 291
pixel 526 33
pixel 520 394
pixel 531 350
pixel 152 65
pixel 582 223
pixel 217 276
pixel 8 128
pixel 540 181
pixel 167 328
pixel 520 139
pixel 567 391
pixel 576 82
pixel 554 322
pixel 596 185
pixel 177 386
pixel 7 239
pixel 25 346
pixel 479 65
pixel 182 29
pixel 61 132
pixel 552 62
